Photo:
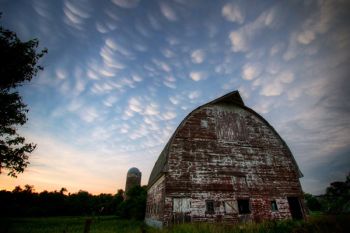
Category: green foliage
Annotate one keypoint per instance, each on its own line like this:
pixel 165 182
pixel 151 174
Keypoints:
pixel 18 65
pixel 134 207
pixel 337 197
pixel 25 202
pixel 312 202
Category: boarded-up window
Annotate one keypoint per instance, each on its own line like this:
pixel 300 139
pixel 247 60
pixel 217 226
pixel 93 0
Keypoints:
pixel 230 207
pixel 204 124
pixel 181 205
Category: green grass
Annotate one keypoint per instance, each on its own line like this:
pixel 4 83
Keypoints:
pixel 68 225
pixel 318 224
pixel 315 224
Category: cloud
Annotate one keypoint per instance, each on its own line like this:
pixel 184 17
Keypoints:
pixel 169 115
pixel 88 114
pixel 151 109
pixel 109 60
pixel 170 82
pixel 42 8
pixel 276 48
pixel 79 86
pixel 124 128
pixel 136 78
pixel 75 14
pixel 126 3
pixel 306 37
pixel 61 73
pixel 167 11
pixel 110 100
pixel 263 107
pixel 317 23
pixel 162 65
pixel 242 37
pixel 286 77
pixel 232 12
pixel 293 49
pixel 197 76
pixel 274 86
pixel 174 100
pixel 139 106
pixel 135 104
pixel 194 95
pixel 250 71
pixel 168 53
pixel 198 56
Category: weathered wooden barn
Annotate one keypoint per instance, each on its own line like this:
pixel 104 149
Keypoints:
pixel 224 163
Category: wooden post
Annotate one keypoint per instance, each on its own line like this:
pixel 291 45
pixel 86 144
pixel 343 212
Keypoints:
pixel 87 225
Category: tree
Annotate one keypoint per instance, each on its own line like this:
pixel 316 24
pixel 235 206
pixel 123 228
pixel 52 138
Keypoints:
pixel 337 197
pixel 312 202
pixel 18 65
pixel 134 207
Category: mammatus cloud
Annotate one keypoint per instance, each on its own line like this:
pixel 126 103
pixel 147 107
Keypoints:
pixel 76 13
pixel 250 71
pixel 135 104
pixel 318 23
pixel 198 56
pixel 170 82
pixel 169 115
pixel 197 76
pixel 167 11
pixel 242 38
pixel 126 3
pixel 194 95
pixel 275 85
pixel 232 12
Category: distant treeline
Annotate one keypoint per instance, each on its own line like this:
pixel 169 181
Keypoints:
pixel 336 200
pixel 25 202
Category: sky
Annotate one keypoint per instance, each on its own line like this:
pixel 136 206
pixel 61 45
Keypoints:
pixel 121 75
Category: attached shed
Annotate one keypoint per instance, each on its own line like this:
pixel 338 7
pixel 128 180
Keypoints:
pixel 224 163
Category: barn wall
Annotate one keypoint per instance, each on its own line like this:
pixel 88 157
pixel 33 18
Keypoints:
pixel 224 153
pixel 155 203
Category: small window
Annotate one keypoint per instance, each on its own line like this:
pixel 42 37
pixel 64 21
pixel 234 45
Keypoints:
pixel 204 124
pixel 210 207
pixel 274 206
pixel 243 206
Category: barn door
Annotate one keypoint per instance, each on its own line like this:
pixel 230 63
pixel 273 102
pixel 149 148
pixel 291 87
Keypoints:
pixel 295 207
pixel 181 210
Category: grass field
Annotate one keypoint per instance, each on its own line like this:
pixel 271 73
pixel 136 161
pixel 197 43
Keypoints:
pixel 315 224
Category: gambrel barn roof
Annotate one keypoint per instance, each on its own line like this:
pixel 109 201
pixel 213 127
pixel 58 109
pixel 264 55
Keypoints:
pixel 233 98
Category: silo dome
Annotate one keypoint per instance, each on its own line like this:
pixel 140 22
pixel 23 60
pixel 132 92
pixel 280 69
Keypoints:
pixel 133 178
pixel 134 170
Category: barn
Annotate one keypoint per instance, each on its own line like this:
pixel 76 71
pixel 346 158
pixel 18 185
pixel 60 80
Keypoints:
pixel 224 163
